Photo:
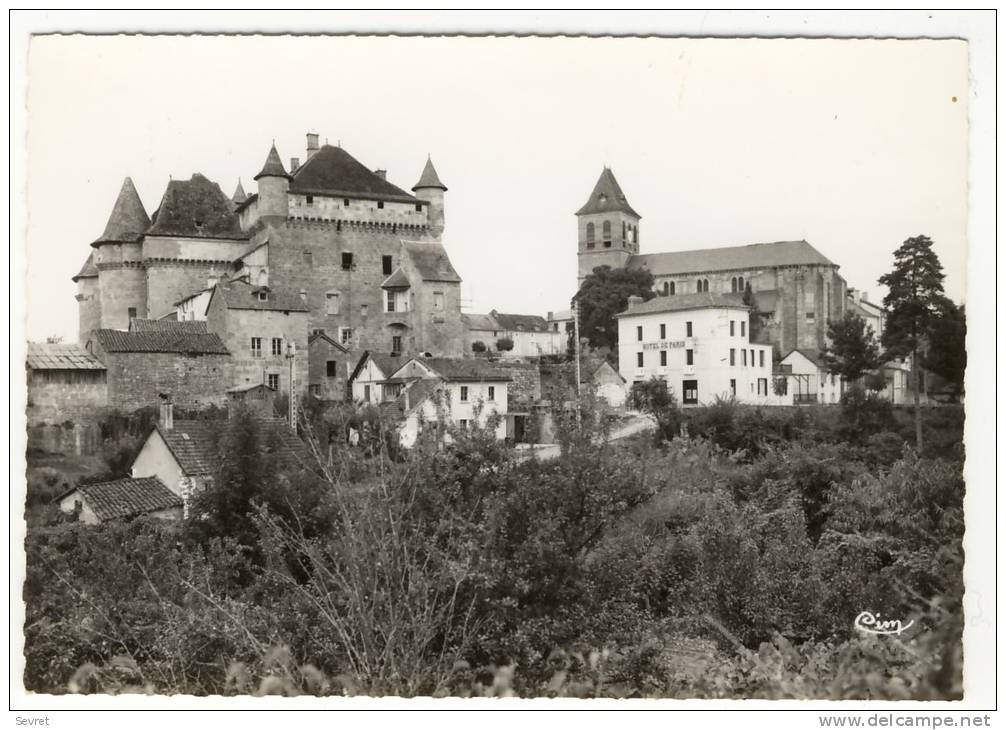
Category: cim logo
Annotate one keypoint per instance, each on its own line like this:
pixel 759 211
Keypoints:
pixel 870 623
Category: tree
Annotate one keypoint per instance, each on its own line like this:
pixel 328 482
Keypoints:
pixel 852 349
pixel 478 346
pixel 604 293
pixel 913 302
pixel 504 344
pixel 755 325
pixel 946 355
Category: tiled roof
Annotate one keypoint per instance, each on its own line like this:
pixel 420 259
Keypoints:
pixel 196 208
pixel 813 355
pixel 521 322
pixel 397 280
pixel 88 270
pixel 753 256
pixel 387 364
pixel 248 386
pixel 239 294
pixel 684 302
pixel 128 497
pixel 464 369
pixel 429 178
pixel 480 322
pixel 333 171
pixel 188 343
pixel 194 443
pixel 607 197
pixel 191 326
pixel 431 261
pixel 239 194
pixel 46 356
pixel 273 166
pixel 322 337
pixel 128 220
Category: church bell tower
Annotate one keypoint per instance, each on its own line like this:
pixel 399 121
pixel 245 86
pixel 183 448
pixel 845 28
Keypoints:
pixel 607 228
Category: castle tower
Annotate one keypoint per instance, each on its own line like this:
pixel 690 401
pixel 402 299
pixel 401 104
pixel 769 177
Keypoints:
pixel 607 228
pixel 273 188
pixel 88 299
pixel 117 256
pixel 239 194
pixel 430 189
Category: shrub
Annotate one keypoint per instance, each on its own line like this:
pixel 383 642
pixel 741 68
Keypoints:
pixel 478 347
pixel 504 344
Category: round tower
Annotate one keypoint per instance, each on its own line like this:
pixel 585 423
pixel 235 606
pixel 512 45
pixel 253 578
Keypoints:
pixel 88 299
pixel 431 189
pixel 273 188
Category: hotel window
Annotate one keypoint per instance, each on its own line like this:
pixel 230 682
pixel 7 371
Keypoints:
pixel 733 283
pixel 761 359
pixel 396 344
pixel 743 328
pixel 690 392
pixel 438 301
pixel 663 358
pixel 689 357
pixel 639 333
pixel 330 369
pixel 464 393
pixel 639 359
pixel 733 387
pixel 277 346
pixel 590 235
pixel 733 357
pixel 752 358
pixel 332 302
pixel 688 329
pixel 731 328
pixel 256 347
pixel 273 381
pixel 347 261
pixel 345 335
pixel 492 392
pixel 663 331
pixel 744 358
pixel 740 283
pixel 386 263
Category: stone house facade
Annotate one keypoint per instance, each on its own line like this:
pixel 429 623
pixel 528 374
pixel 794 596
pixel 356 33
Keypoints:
pixel 329 370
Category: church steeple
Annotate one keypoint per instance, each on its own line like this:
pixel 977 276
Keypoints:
pixel 128 220
pixel 607 197
pixel 607 227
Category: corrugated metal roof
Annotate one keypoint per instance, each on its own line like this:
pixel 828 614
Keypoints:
pixel 46 356
pixel 752 256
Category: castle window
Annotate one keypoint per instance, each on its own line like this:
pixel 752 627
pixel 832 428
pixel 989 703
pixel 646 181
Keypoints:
pixel 347 261
pixel 386 263
pixel 419 207
pixel 667 288
pixel 345 202
pixel 308 259
pixel 810 315
pixel 309 199
pixel 131 313
pixel 438 301
pixel 396 344
pixel 590 235
pixel 332 302
pixel 733 284
pixel 263 296
pixel 389 300
pixel 624 237
pixel 671 292
pixel 256 347
pixel 330 369
pixel 380 204
pixel 345 335
pixel 740 283
pixel 273 381
pixel 277 345
pixel 363 310
pixel 635 234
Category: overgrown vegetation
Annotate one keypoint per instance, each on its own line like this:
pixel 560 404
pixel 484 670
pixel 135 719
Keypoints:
pixel 728 562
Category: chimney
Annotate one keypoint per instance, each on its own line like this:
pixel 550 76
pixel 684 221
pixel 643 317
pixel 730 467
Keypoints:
pixel 635 301
pixel 549 317
pixel 383 174
pixel 294 164
pixel 167 412
pixel 405 395
pixel 312 144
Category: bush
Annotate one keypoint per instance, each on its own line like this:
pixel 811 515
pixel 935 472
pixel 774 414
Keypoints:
pixel 478 347
pixel 504 344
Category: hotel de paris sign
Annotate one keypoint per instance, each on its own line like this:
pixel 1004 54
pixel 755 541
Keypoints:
pixel 664 345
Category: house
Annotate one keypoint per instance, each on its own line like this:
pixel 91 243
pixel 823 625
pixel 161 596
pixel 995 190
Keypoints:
pixel 257 397
pixel 367 378
pixel 699 344
pixel 808 379
pixel 558 381
pixel 122 499
pixel 65 382
pixel 463 392
pixel 531 335
pixel 328 368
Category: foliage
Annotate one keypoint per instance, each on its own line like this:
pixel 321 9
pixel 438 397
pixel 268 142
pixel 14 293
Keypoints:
pixel 504 344
pixel 864 414
pixel 478 346
pixel 946 355
pixel 852 349
pixel 604 293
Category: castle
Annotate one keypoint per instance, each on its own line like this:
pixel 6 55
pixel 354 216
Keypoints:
pixel 796 290
pixel 329 247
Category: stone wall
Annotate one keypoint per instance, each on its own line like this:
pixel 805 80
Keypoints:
pixel 88 307
pixel 56 396
pixel 323 385
pixel 525 384
pixel 122 286
pixel 171 281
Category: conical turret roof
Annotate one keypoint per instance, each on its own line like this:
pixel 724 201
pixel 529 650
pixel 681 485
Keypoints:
pixel 607 197
pixel 273 166
pixel 89 270
pixel 429 178
pixel 239 194
pixel 128 220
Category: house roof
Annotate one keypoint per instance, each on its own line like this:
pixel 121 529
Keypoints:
pixel 397 280
pixel 333 171
pixel 128 497
pixel 387 364
pixel 416 394
pixel 752 256
pixel 192 326
pixel 196 208
pixel 462 369
pixel 431 261
pixel 607 197
pixel 47 356
pixel 248 386
pixel 521 322
pixel 273 166
pixel 684 302
pixel 187 343
pixel 239 294
pixel 480 322
pixel 429 178
pixel 319 336
pixel 194 444
pixel 88 271
pixel 128 220
pixel 813 355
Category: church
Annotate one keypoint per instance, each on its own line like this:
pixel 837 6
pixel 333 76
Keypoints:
pixel 327 245
pixel 796 290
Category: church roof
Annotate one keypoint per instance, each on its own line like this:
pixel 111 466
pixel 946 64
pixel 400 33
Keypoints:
pixel 273 166
pixel 728 258
pixel 88 270
pixel 607 197
pixel 239 194
pixel 128 220
pixel 333 171
pixel 195 208
pixel 429 178
pixel 431 261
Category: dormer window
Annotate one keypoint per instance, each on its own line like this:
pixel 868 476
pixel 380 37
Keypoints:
pixel 263 296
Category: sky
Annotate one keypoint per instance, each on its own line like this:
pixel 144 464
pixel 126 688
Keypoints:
pixel 853 145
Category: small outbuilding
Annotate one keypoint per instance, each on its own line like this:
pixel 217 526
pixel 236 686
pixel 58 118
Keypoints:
pixel 122 499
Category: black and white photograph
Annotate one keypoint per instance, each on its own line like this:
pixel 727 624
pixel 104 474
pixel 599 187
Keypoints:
pixel 468 370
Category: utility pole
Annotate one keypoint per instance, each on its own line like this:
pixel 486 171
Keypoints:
pixel 576 356
pixel 291 356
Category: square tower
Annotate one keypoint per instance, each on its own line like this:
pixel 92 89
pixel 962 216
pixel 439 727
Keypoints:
pixel 607 228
